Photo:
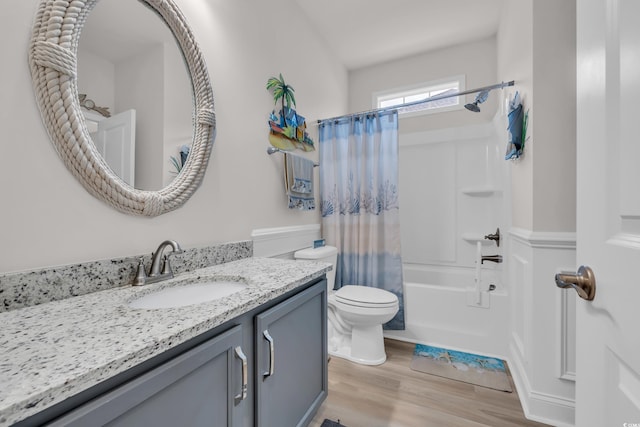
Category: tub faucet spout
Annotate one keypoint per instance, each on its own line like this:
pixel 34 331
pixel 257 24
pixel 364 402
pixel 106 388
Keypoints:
pixel 492 258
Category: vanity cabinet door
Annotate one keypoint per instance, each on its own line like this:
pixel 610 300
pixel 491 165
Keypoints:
pixel 291 359
pixel 202 387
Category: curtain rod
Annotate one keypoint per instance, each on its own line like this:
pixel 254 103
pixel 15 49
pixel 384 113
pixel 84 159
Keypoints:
pixel 433 98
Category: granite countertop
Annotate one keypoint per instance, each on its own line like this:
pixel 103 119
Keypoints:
pixel 55 350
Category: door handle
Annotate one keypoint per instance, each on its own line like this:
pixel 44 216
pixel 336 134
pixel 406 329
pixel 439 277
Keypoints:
pixel 584 282
pixel 272 361
pixel 243 390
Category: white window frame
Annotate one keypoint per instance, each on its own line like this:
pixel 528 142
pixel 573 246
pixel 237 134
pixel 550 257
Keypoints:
pixel 429 86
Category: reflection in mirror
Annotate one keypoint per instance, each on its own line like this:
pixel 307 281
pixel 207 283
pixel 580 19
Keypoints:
pixel 129 63
pixel 53 64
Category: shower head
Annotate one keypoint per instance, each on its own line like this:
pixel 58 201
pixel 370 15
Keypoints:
pixel 480 98
pixel 473 107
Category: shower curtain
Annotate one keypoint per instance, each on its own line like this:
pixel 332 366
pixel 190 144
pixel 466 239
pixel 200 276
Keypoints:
pixel 359 201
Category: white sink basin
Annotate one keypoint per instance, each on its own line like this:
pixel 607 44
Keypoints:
pixel 181 296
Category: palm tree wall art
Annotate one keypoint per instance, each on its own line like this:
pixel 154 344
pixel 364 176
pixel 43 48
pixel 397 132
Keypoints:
pixel 287 131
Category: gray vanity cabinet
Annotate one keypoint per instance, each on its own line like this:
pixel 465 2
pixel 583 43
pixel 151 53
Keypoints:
pixel 201 387
pixel 291 360
pixel 234 378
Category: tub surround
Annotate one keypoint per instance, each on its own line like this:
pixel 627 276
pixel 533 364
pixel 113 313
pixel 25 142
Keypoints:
pixel 24 289
pixel 55 350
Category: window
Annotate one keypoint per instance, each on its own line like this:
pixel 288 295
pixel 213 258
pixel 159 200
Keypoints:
pixel 421 92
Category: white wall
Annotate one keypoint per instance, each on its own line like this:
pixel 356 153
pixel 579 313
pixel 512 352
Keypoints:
pixel 515 61
pixel 178 109
pixel 554 82
pixel 99 87
pixel 536 47
pixel 47 218
pixel 476 61
pixel 451 191
pixel 140 86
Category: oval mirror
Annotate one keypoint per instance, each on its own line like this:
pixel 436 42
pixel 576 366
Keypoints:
pixel 69 114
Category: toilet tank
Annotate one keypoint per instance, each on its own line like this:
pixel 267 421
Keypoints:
pixel 325 254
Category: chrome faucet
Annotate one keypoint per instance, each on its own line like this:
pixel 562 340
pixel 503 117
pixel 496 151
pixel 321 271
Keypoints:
pixel 492 258
pixel 155 274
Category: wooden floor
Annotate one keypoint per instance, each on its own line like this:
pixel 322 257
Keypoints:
pixel 394 395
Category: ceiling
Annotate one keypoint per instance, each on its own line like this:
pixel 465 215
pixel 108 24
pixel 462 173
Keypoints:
pixel 120 29
pixel 360 32
pixel 367 32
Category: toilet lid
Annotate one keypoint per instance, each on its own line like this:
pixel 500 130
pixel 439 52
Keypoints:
pixel 365 295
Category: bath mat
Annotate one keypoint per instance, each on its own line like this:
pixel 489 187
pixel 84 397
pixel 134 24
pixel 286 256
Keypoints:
pixel 469 368
pixel 329 423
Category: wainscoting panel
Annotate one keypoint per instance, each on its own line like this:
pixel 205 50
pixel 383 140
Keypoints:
pixel 542 338
pixel 519 275
pixel 282 242
pixel 567 334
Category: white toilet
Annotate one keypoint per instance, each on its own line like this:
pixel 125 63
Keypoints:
pixel 356 314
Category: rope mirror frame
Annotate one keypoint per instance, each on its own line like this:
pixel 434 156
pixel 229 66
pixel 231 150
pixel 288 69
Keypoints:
pixel 53 64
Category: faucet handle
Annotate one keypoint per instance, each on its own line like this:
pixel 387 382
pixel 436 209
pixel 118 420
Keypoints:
pixel 495 236
pixel 141 275
pixel 166 268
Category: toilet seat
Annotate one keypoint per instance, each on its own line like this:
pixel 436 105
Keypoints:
pixel 365 296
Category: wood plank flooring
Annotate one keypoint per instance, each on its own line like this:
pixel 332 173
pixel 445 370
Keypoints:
pixel 394 395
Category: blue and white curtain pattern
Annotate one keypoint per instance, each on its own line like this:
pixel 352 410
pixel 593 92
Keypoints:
pixel 359 201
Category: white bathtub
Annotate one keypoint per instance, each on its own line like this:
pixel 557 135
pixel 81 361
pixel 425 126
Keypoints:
pixel 437 311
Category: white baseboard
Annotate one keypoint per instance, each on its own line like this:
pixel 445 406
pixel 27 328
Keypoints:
pixel 537 406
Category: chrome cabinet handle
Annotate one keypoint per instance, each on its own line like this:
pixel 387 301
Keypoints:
pixel 272 360
pixel 583 282
pixel 243 393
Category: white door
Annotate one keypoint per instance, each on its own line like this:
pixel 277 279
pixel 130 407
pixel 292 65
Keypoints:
pixel 608 213
pixel 115 139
